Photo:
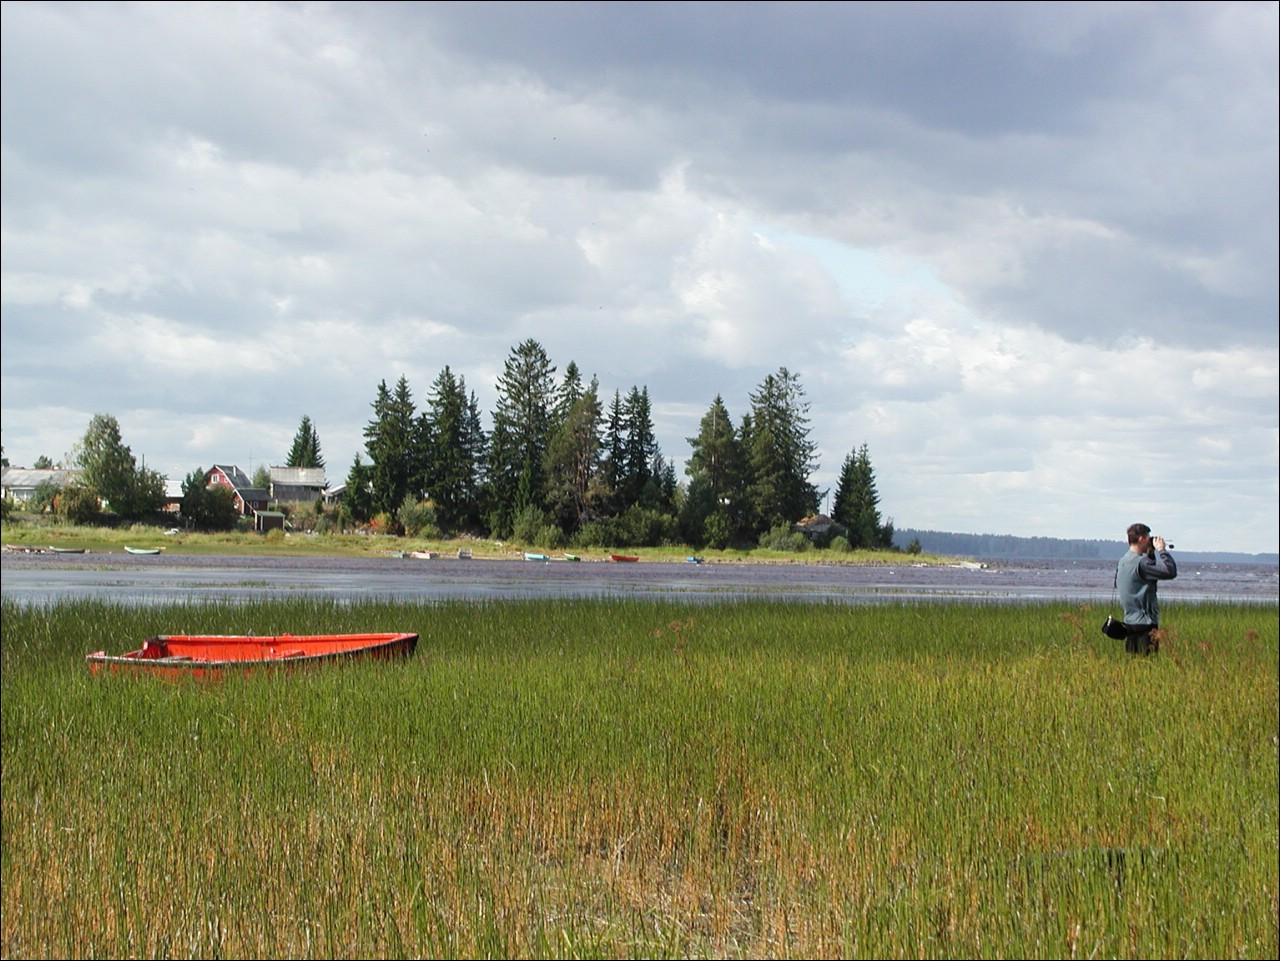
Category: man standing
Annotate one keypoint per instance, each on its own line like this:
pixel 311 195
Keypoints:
pixel 1147 562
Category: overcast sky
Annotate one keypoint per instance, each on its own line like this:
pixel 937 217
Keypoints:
pixel 1027 254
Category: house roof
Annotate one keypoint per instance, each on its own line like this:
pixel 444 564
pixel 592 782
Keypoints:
pixel 815 522
pixel 29 477
pixel 238 478
pixel 241 484
pixel 300 476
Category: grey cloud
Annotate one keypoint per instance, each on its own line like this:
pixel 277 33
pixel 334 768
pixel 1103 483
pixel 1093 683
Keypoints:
pixel 375 189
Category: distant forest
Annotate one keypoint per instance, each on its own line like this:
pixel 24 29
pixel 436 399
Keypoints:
pixel 1008 547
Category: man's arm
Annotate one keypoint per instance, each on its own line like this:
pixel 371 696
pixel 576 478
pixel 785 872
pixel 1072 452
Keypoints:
pixel 1159 565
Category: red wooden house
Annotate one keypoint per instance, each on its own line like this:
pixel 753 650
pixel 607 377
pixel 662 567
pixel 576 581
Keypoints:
pixel 248 498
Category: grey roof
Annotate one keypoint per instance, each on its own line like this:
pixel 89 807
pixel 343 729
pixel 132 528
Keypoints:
pixel 23 478
pixel 234 474
pixel 815 522
pixel 300 476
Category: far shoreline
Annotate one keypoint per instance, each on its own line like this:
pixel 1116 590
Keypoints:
pixel 25 534
pixel 38 535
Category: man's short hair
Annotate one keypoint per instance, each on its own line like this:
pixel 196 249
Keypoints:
pixel 1137 532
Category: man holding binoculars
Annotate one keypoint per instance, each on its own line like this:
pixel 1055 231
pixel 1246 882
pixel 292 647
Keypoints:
pixel 1147 562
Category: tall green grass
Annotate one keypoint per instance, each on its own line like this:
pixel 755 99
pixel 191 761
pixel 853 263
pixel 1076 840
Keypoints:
pixel 634 778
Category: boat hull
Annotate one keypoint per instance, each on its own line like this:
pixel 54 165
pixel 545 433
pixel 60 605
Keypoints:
pixel 624 558
pixel 189 655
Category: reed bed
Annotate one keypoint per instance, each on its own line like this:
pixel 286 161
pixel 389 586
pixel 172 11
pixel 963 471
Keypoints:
pixel 609 778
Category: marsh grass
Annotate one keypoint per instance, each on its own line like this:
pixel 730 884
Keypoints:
pixel 616 778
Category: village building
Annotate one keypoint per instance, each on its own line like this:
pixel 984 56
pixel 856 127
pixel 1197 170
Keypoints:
pixel 20 483
pixel 248 498
pixel 819 527
pixel 297 485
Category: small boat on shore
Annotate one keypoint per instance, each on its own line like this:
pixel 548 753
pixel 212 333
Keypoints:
pixel 624 558
pixel 693 559
pixel 424 555
pixel 141 550
pixel 535 557
pixel 572 557
pixel 66 550
pixel 202 655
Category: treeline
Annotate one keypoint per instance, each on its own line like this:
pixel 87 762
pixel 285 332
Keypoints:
pixel 561 464
pixel 1010 547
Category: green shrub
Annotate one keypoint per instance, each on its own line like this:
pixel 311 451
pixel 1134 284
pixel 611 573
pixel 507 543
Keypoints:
pixel 528 525
pixel 552 535
pixel 782 538
pixel 418 518
pixel 75 504
pixel 384 523
pixel 605 532
pixel 644 527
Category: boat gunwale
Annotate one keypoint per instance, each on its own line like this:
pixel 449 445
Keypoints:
pixel 389 644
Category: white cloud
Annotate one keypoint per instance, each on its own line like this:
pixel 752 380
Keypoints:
pixel 1026 253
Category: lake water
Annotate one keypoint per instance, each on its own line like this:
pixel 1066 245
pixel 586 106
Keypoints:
pixel 137 579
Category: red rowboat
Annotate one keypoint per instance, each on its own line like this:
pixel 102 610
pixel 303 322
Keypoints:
pixel 628 558
pixel 190 655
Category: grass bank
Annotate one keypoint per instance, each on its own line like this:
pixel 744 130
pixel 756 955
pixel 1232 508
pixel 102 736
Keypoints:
pixel 38 533
pixel 642 779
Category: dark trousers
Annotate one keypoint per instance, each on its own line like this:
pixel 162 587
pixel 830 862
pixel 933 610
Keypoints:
pixel 1137 639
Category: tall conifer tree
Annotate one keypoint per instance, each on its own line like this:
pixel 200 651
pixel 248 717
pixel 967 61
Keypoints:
pixel 521 433
pixel 391 441
pixel 305 451
pixel 780 453
pixel 857 503
pixel 453 452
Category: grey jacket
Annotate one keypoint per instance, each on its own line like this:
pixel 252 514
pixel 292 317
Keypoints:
pixel 1136 579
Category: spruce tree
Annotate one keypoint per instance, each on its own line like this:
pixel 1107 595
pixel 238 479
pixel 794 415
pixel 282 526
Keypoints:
pixel 305 451
pixel 391 441
pixel 357 496
pixel 856 506
pixel 521 432
pixel 640 452
pixel 573 461
pixel 779 452
pixel 716 500
pixel 452 453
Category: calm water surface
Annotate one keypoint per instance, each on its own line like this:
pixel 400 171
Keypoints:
pixel 137 579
